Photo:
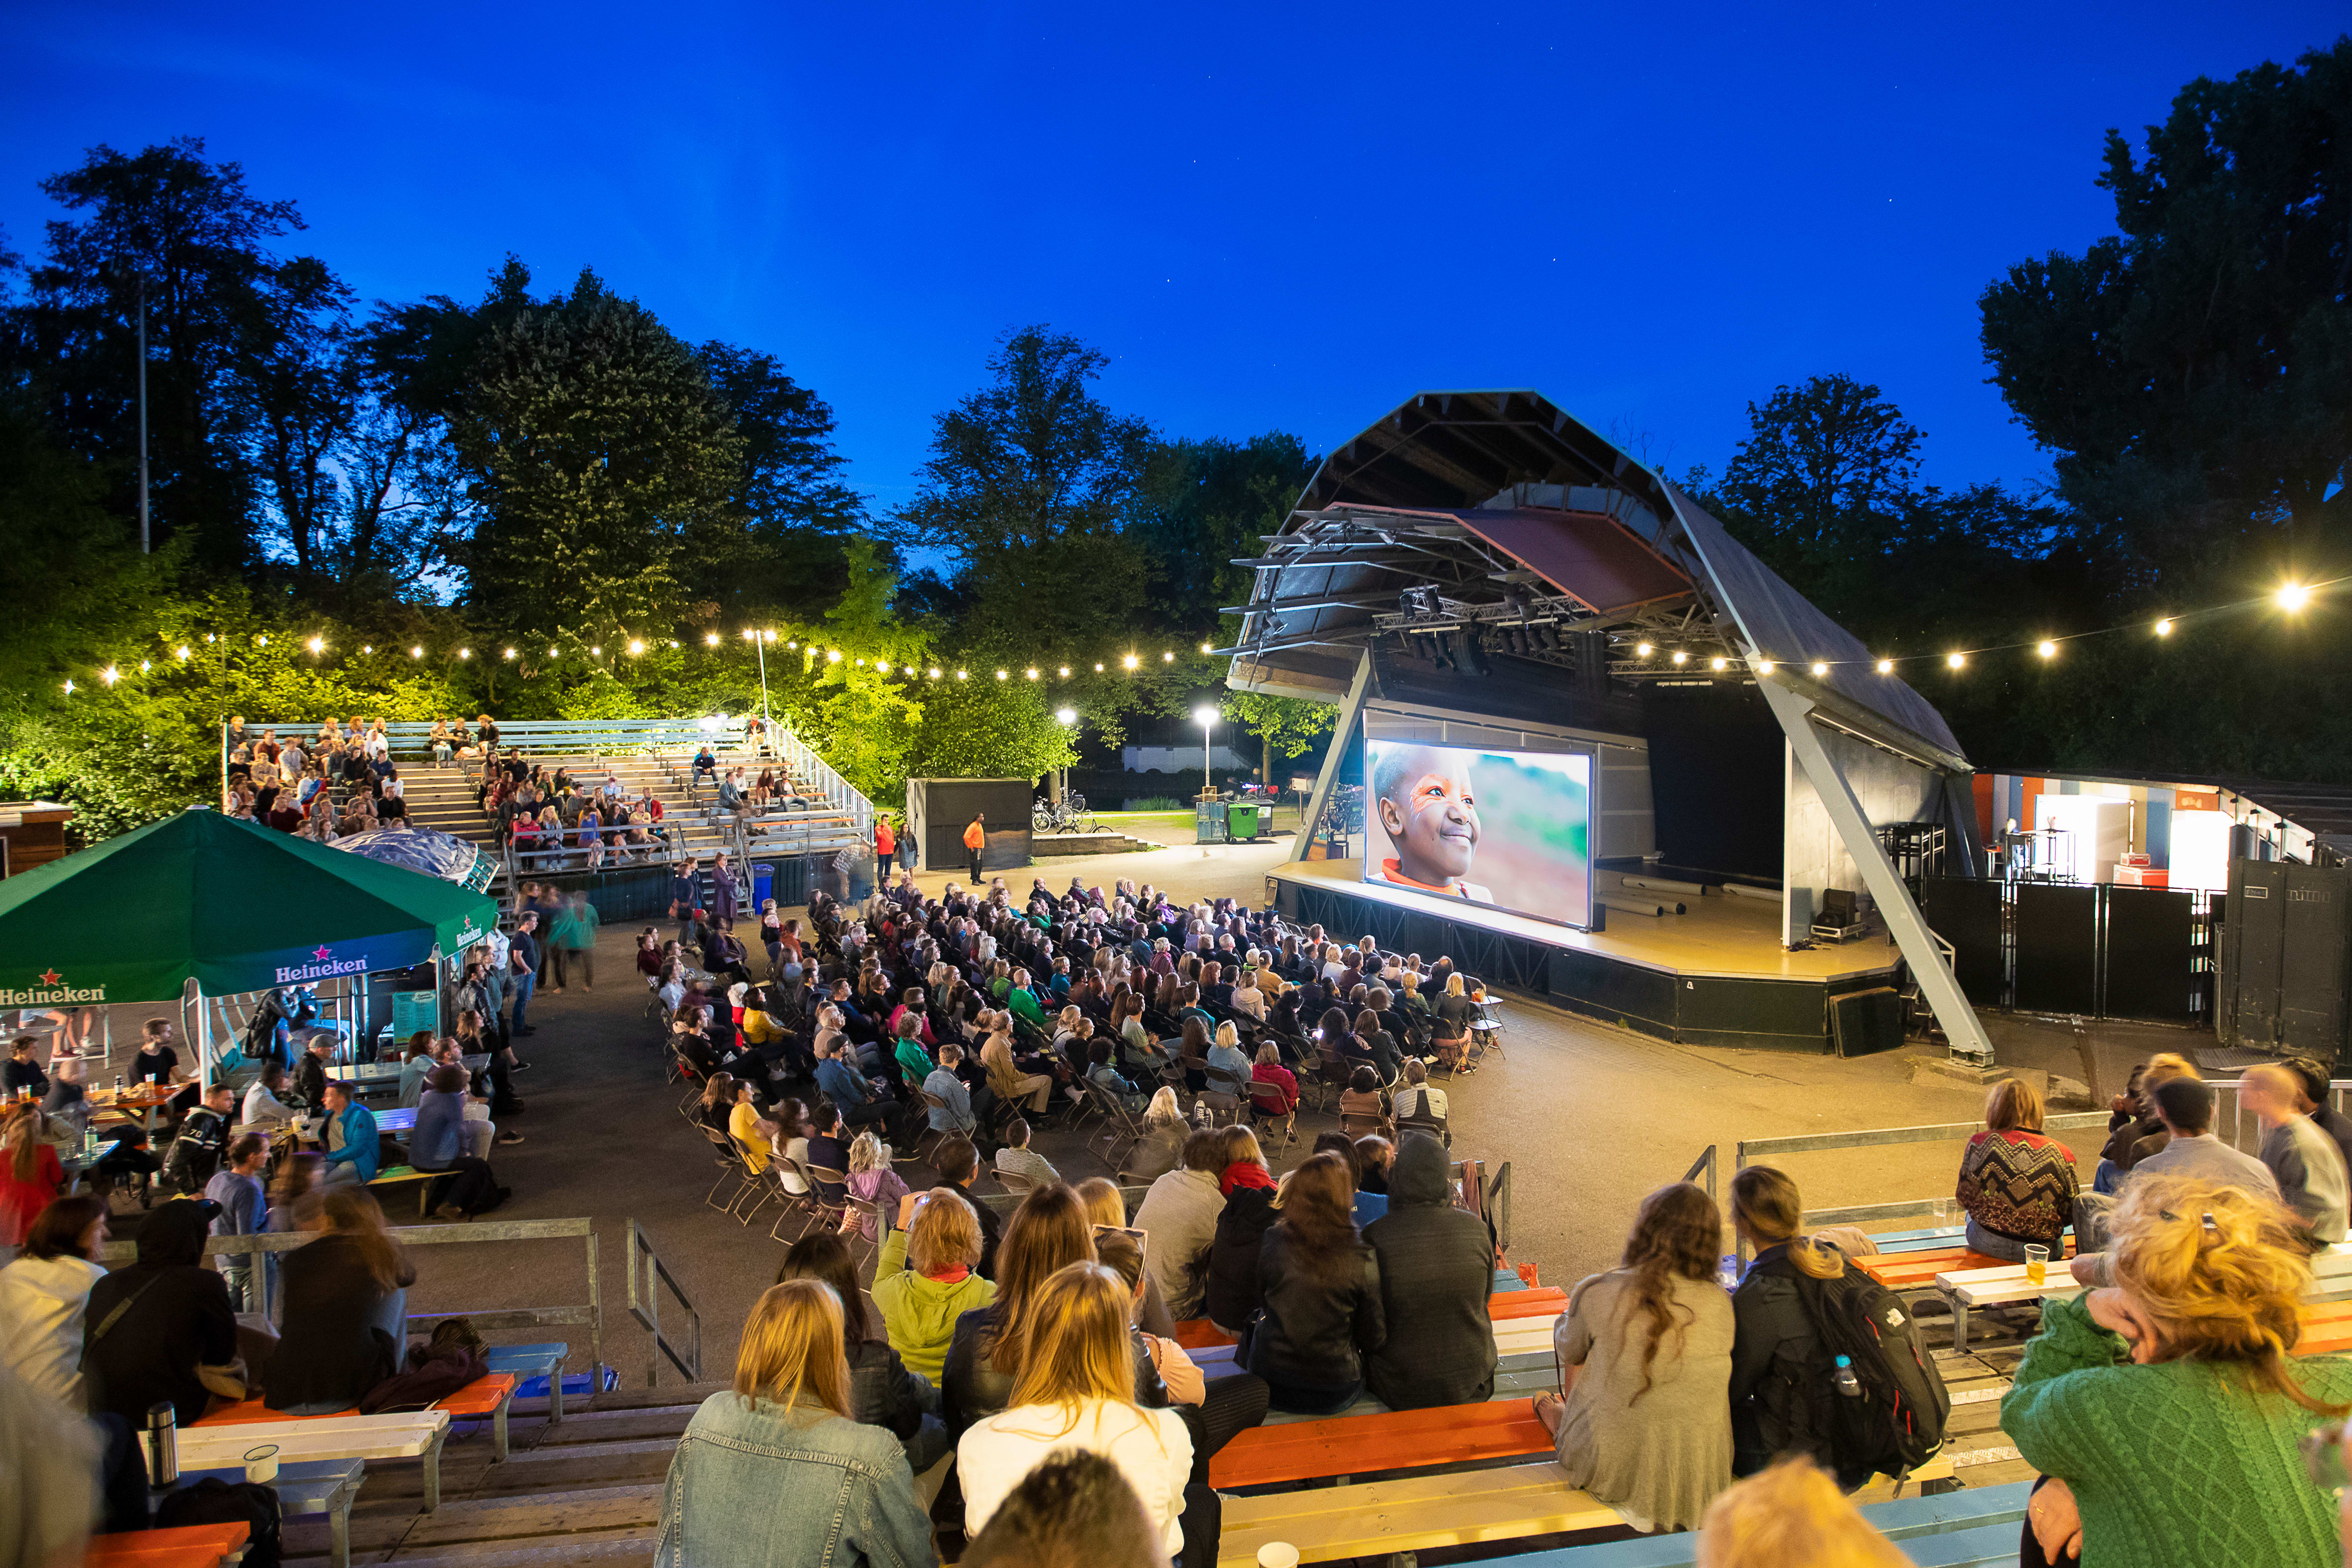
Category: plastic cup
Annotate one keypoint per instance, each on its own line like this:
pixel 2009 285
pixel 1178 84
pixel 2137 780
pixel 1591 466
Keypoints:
pixel 261 1464
pixel 1277 1554
pixel 2037 1265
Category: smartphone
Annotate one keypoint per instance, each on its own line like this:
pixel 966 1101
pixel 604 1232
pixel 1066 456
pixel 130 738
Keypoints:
pixel 907 1204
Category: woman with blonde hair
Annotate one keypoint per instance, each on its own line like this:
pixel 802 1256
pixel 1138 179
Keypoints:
pixel 2016 1185
pixel 1162 1148
pixel 2165 1407
pixel 1791 1516
pixel 1077 1390
pixel 991 1345
pixel 1775 1347
pixel 1453 1014
pixel 924 1278
pixel 1644 1425
pixel 774 1471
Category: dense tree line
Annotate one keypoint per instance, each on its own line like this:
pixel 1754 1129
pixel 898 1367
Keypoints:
pixel 556 472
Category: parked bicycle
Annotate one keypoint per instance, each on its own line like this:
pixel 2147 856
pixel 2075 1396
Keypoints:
pixel 1069 814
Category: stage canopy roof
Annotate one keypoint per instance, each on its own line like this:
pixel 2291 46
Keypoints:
pixel 1493 516
pixel 232 905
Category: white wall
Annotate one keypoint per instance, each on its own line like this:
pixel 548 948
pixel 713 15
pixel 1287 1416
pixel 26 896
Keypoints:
pixel 1890 788
pixel 1182 759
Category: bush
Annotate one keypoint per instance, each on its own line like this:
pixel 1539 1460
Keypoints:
pixel 1152 803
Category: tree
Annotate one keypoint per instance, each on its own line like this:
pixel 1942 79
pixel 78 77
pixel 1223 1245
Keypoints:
pixel 1202 505
pixel 600 459
pixel 782 547
pixel 2193 372
pixel 1287 725
pixel 989 729
pixel 167 225
pixel 1028 483
pixel 1825 464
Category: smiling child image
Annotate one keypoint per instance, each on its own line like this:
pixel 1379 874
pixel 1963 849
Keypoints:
pixel 1422 795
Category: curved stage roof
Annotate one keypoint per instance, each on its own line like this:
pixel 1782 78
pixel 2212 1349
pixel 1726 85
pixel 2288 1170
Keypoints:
pixel 1494 519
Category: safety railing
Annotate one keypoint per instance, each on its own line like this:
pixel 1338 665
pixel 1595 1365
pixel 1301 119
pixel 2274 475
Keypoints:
pixel 1703 1165
pixel 588 1314
pixel 644 1306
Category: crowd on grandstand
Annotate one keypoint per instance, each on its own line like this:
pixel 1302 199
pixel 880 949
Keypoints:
pixel 1025 1374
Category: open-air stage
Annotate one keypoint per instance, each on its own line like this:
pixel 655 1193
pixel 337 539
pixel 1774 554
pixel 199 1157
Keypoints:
pixel 1716 975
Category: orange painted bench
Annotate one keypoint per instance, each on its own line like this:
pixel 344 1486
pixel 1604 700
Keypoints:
pixel 1918 1270
pixel 1503 1306
pixel 1370 1445
pixel 2326 1329
pixel 182 1546
pixel 489 1395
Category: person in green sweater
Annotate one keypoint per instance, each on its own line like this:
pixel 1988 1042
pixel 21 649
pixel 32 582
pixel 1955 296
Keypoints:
pixel 923 1279
pixel 2164 1409
pixel 573 940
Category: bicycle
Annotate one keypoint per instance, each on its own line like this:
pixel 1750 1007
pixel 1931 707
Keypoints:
pixel 1068 815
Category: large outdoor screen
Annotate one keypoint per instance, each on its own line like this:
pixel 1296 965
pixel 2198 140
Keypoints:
pixel 1500 830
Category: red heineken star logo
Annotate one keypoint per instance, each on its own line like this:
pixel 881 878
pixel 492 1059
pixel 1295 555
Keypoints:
pixel 51 977
pixel 322 955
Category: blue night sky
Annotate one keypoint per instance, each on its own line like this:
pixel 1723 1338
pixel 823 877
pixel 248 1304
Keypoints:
pixel 1271 216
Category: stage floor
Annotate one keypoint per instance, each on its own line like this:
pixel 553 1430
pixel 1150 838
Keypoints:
pixel 1720 938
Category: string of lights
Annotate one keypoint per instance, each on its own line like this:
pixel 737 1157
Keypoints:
pixel 813 652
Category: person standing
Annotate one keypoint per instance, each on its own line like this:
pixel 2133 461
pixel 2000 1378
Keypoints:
pixel 685 896
pixel 575 937
pixel 975 840
pixel 244 1210
pixel 522 958
pixel 886 846
pixel 726 891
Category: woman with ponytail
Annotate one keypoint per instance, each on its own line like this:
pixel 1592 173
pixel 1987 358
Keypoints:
pixel 1774 1344
pixel 2165 1407
pixel 1643 1424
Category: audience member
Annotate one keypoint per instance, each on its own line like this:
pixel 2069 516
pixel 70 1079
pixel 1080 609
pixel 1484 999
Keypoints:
pixel 1418 1100
pixel 1643 1424
pixel 1074 1510
pixel 1791 1516
pixel 2314 1099
pixel 882 1391
pixel 263 1111
pixel 2164 1407
pixel 30 1172
pixel 1214 1410
pixel 872 1182
pixel 345 1321
pixel 244 1210
pixel 43 1295
pixel 1436 1270
pixel 2185 1106
pixel 437 1143
pixel 1776 1355
pixel 985 1359
pixel 924 1279
pixel 1076 1391
pixel 1321 1292
pixel 777 1471
pixel 947 1103
pixel 2305 1162
pixel 353 1145
pixel 1162 1148
pixel 956 1163
pixel 175 1318
pixel 1233 1288
pixel 1179 1213
pixel 1015 1155
pixel 2016 1185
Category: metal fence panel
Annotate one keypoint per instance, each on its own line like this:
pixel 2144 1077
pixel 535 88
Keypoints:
pixel 2057 932
pixel 2151 955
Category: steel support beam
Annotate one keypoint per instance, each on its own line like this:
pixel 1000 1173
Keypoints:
pixel 1909 928
pixel 1350 713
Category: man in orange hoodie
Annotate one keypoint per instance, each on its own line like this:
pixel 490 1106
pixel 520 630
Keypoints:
pixel 975 839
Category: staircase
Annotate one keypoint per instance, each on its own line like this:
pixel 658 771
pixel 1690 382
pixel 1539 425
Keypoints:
pixel 587 1489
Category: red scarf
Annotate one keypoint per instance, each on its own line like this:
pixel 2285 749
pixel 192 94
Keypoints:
pixel 1244 1173
pixel 954 1275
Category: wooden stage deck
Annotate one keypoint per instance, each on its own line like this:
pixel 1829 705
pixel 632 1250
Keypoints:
pixel 1716 974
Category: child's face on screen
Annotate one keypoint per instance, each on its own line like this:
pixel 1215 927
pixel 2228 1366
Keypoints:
pixel 1433 819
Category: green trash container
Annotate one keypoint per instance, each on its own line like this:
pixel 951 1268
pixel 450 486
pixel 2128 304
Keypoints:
pixel 1240 822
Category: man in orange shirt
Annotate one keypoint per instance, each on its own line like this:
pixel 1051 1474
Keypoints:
pixel 885 846
pixel 975 839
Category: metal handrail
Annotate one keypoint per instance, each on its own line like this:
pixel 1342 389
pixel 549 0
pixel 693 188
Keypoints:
pixel 590 1314
pixel 645 1307
pixel 1705 1163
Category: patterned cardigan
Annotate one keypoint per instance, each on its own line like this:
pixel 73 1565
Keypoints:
pixel 2019 1184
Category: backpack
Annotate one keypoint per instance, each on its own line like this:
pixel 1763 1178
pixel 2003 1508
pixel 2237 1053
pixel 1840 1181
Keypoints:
pixel 1897 1421
pixel 215 1501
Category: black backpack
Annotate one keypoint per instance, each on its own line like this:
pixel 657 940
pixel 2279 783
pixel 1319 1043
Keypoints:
pixel 212 1501
pixel 1897 1423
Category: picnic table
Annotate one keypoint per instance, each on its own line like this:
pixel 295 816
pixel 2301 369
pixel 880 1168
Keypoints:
pixel 146 1098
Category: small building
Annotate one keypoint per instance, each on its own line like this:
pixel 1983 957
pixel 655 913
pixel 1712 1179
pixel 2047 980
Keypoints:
pixel 32 833
pixel 2155 829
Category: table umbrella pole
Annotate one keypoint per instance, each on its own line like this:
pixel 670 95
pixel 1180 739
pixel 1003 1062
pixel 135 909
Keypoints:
pixel 204 1033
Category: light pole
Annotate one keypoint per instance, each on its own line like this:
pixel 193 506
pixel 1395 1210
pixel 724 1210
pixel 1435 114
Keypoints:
pixel 1067 717
pixel 760 646
pixel 1205 716
pixel 142 413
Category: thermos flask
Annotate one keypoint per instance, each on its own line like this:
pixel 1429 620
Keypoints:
pixel 162 1444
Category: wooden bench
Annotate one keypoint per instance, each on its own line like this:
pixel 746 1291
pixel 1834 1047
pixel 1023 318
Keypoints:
pixel 1415 1513
pixel 182 1546
pixel 403 1175
pixel 2005 1284
pixel 346 1433
pixel 524 1362
pixel 1527 1302
pixel 1977 1524
pixel 1373 1445
pixel 1513 1336
pixel 304 1485
pixel 1515 1377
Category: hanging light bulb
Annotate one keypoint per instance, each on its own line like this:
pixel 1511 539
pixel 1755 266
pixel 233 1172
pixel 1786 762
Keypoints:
pixel 1718 664
pixel 749 635
pixel 1886 666
pixel 1820 668
pixel 795 643
pixel 711 639
pixel 1066 672
pixel 832 655
pixel 1131 662
pixel 861 664
pixel 263 640
pixel 1167 658
pixel 2163 628
pixel 2292 596
pixel 1002 674
pixel 510 653
pixel 208 637
pixel 317 645
pixel 2046 648
pixel 184 651
pixel 1643 650
pixel 1681 657
pixel 963 675
pixel 110 675
pixel 417 652
pixel 144 666
pixel 1764 666
pixel 69 688
pixel 1955 661
pixel 1033 674
pixel 637 645
pixel 1206 647
pixel 770 636
pixel 932 673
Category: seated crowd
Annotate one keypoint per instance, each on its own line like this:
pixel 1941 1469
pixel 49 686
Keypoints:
pixel 339 782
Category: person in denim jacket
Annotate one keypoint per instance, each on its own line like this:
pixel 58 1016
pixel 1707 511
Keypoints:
pixel 775 1473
